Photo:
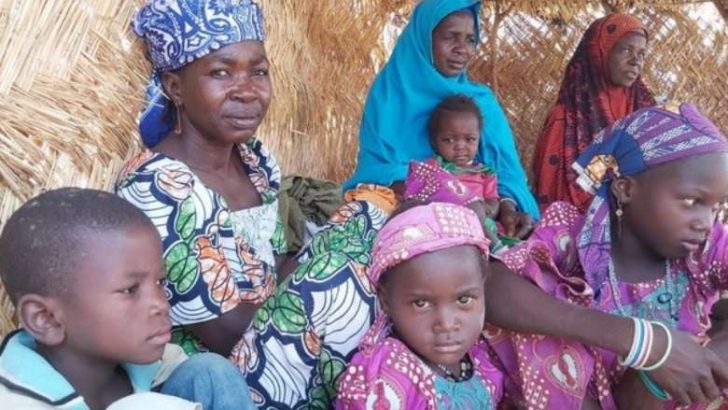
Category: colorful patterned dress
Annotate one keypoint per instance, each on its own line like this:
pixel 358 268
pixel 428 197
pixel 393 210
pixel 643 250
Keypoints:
pixel 549 373
pixel 308 327
pixel 388 375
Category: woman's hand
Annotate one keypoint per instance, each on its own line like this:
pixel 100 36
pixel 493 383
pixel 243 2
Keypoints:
pixel 398 188
pixel 516 224
pixel 692 373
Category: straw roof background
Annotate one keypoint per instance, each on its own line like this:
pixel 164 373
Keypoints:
pixel 72 78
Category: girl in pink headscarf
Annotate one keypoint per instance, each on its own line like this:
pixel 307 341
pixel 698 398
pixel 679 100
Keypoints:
pixel 425 349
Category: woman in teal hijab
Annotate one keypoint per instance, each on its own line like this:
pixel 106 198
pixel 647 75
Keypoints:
pixel 425 67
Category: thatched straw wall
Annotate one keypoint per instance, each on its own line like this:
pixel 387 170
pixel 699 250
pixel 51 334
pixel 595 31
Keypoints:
pixel 72 77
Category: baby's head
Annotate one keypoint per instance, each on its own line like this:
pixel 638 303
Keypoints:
pixel 455 126
pixel 428 263
pixel 84 270
pixel 661 176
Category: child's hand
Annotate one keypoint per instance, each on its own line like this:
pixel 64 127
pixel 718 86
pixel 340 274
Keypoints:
pixel 515 223
pixel 479 208
pixel 692 373
pixel 491 208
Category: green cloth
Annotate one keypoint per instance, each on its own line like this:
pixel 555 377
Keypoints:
pixel 304 199
pixel 451 167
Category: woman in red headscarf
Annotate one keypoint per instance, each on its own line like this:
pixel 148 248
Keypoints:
pixel 602 84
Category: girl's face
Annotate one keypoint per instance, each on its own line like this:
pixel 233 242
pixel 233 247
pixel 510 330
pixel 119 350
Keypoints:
pixel 436 303
pixel 671 208
pixel 224 95
pixel 457 137
pixel 453 43
pixel 626 60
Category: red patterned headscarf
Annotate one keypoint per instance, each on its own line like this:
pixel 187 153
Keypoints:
pixel 587 103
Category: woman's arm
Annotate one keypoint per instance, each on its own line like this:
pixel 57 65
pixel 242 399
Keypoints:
pixel 221 334
pixel 690 374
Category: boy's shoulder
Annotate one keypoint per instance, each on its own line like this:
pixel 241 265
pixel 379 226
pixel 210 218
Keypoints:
pixel 27 380
pixel 14 400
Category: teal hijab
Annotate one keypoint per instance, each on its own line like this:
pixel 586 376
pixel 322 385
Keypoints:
pixel 393 130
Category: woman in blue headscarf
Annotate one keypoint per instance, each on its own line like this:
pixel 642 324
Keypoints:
pixel 427 65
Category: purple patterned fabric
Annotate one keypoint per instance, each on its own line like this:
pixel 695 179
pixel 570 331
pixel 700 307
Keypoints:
pixel 568 256
pixel 427 181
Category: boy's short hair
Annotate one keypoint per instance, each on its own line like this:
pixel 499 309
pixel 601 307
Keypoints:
pixel 41 242
pixel 457 103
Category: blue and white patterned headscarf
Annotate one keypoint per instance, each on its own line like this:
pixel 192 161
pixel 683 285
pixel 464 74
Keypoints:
pixel 178 32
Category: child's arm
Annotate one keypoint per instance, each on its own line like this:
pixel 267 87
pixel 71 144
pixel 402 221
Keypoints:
pixel 490 194
pixel 516 304
pixel 481 210
pixel 492 206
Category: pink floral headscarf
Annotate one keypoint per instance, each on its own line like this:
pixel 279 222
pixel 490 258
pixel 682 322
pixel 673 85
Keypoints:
pixel 422 229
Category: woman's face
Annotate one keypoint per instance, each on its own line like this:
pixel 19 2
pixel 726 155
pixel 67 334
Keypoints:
pixel 626 59
pixel 224 95
pixel 453 43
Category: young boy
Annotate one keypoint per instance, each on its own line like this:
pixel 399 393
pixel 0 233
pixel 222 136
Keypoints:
pixel 84 270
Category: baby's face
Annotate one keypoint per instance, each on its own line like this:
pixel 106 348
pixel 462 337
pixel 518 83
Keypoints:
pixel 436 303
pixel 457 137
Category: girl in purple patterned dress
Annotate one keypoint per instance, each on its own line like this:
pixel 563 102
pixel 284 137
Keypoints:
pixel 649 247
pixel 425 350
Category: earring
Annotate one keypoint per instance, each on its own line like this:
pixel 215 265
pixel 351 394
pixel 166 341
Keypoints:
pixel 619 213
pixel 178 127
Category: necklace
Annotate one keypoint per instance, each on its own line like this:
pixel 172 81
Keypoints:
pixel 466 370
pixel 670 297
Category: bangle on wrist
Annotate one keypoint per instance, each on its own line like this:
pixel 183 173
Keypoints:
pixel 638 343
pixel 653 387
pixel 643 340
pixel 668 349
